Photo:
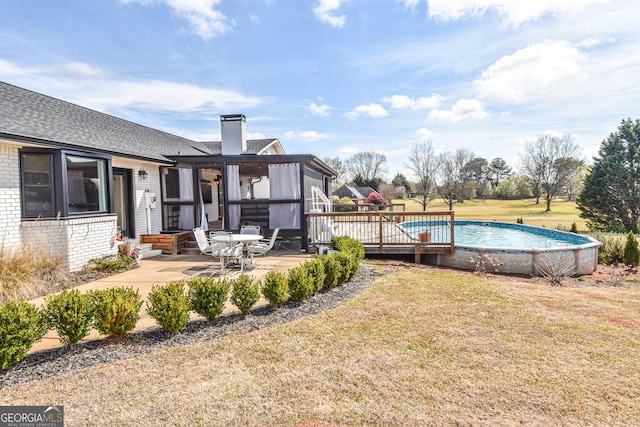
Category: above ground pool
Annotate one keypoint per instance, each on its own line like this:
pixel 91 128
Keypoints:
pixel 520 249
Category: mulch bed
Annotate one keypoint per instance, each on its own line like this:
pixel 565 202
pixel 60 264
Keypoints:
pixel 51 362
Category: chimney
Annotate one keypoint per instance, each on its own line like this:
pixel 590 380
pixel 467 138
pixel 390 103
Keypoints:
pixel 233 129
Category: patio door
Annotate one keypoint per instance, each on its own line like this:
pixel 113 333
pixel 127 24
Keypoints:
pixel 123 201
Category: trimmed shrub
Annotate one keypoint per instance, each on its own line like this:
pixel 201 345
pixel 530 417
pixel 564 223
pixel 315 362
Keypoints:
pixel 631 252
pixel 301 285
pixel 315 269
pixel 347 244
pixel 348 264
pixel 574 228
pixel 332 270
pixel 70 314
pixel 169 306
pixel 208 295
pixel 117 310
pixel 111 263
pixel 21 325
pixel 276 288
pixel 246 293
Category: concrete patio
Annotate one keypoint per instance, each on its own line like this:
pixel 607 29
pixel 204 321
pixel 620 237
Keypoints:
pixel 166 268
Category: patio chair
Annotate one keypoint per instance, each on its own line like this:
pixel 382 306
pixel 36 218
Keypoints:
pixel 263 246
pixel 203 243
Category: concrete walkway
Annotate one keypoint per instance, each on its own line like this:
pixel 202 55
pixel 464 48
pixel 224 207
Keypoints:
pixel 165 268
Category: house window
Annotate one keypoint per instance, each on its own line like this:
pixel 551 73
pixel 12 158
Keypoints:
pixel 86 184
pixel 37 185
pixel 59 183
pixel 172 183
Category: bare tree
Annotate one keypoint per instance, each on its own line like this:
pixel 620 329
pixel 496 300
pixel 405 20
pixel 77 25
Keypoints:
pixel 451 183
pixel 424 164
pixel 339 166
pixel 367 164
pixel 550 162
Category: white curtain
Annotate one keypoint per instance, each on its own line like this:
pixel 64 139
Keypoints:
pixel 233 194
pixel 284 184
pixel 204 224
pixel 185 220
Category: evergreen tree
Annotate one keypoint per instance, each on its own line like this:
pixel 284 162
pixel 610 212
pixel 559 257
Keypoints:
pixel 631 252
pixel 610 199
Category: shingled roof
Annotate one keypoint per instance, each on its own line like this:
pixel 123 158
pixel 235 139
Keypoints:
pixel 33 117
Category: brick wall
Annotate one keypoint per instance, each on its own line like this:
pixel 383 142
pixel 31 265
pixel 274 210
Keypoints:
pixel 77 240
pixel 10 213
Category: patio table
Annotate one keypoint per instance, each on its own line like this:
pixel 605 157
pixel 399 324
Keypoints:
pixel 245 239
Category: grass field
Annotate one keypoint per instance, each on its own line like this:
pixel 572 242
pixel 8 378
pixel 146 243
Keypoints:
pixel 563 212
pixel 421 346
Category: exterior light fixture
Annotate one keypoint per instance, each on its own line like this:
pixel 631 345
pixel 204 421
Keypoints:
pixel 142 174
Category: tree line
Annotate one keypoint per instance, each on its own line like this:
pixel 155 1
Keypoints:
pixel 607 192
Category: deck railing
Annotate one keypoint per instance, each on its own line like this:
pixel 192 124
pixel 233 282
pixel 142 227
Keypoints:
pixel 384 231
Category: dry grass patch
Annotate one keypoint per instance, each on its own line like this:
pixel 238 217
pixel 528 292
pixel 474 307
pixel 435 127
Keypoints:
pixel 420 347
pixel 27 271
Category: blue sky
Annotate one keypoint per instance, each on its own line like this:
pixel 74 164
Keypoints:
pixel 334 77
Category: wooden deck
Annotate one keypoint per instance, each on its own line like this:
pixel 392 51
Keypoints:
pixel 382 233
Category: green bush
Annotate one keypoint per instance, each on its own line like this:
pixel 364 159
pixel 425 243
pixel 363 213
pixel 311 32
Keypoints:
pixel 246 293
pixel 169 306
pixel 348 264
pixel 315 269
pixel 70 314
pixel 208 295
pixel 301 285
pixel 276 288
pixel 332 270
pixel 21 325
pixel 631 252
pixel 574 228
pixel 347 244
pixel 111 263
pixel 117 310
pixel 612 250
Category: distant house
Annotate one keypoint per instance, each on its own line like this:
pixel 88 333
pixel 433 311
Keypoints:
pixel 72 178
pixel 359 195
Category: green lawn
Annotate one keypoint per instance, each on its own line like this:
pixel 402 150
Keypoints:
pixel 563 212
pixel 421 346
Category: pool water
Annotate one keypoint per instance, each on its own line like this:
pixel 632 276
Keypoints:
pixel 496 235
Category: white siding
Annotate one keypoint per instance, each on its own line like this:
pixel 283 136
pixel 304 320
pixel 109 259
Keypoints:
pixel 140 186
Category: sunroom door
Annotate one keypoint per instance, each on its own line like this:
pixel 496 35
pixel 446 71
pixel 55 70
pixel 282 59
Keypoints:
pixel 123 201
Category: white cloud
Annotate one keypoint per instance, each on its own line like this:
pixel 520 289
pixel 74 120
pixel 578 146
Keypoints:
pixel 463 110
pixel 349 151
pixel 204 20
pixel 375 111
pixel 82 69
pixel 319 110
pixel 325 13
pixel 402 102
pixel 9 69
pixel 424 134
pixel 529 72
pixel 513 12
pixel 304 136
pixel 112 94
pixel 409 4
